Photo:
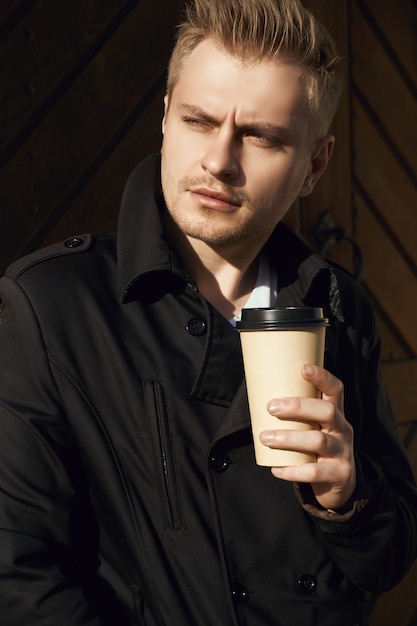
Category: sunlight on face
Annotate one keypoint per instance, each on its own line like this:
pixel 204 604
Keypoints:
pixel 235 149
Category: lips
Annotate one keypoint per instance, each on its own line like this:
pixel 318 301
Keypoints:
pixel 213 199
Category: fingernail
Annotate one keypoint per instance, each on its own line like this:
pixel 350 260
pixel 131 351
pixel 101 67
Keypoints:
pixel 267 436
pixel 309 370
pixel 275 406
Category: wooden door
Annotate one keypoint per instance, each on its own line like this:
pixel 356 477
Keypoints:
pixel 372 194
pixel 80 104
pixel 384 95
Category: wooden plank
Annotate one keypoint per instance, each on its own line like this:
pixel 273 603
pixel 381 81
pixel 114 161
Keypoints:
pixel 401 380
pixel 387 275
pixel 332 192
pixel 53 160
pixel 11 10
pixel 386 182
pixel 392 348
pixel 384 89
pixel 97 206
pixel 43 51
pixel 398 24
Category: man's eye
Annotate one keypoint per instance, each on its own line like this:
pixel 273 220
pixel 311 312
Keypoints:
pixel 265 140
pixel 196 123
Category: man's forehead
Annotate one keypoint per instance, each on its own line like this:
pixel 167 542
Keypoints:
pixel 208 60
pixel 211 48
pixel 271 91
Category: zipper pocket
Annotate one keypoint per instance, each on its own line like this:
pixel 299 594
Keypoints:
pixel 164 456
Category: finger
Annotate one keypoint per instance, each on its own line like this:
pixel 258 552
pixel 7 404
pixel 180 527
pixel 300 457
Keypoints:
pixel 306 473
pixel 327 478
pixel 312 441
pixel 316 411
pixel 331 387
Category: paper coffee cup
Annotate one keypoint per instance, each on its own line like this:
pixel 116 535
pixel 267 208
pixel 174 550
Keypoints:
pixel 276 344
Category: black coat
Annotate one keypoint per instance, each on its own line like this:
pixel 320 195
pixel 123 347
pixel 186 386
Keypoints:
pixel 128 488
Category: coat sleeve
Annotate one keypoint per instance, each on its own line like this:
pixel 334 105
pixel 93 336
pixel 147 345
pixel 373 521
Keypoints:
pixel 48 534
pixel 375 542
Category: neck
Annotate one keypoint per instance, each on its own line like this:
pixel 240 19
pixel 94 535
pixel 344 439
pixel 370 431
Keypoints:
pixel 225 282
pixel 225 277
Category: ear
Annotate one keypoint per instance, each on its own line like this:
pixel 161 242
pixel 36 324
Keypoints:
pixel 166 107
pixel 319 161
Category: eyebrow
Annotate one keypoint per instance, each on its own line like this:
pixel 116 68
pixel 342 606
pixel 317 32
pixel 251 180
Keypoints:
pixel 257 126
pixel 190 109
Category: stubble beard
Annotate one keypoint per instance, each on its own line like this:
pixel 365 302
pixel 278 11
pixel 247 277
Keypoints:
pixel 206 226
pixel 207 230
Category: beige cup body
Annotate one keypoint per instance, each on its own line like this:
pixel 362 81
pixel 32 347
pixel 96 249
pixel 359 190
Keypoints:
pixel 273 360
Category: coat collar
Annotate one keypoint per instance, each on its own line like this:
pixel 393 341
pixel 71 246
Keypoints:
pixel 142 248
pixel 304 277
pixel 148 266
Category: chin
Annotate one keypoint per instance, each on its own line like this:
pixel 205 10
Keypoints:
pixel 220 238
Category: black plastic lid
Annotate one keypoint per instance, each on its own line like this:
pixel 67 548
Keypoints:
pixel 281 318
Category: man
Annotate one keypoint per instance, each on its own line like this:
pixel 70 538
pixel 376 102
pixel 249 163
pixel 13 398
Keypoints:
pixel 129 490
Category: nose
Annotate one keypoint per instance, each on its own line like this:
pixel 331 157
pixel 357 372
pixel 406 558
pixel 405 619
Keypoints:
pixel 221 156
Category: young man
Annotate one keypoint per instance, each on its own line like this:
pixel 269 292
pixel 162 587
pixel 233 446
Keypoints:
pixel 129 491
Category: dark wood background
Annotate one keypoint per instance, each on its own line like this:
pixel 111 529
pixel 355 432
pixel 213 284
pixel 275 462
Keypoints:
pixel 81 94
pixel 80 105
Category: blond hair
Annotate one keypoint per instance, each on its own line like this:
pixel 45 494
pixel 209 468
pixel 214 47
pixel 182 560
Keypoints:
pixel 257 29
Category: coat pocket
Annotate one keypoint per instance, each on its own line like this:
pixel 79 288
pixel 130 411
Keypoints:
pixel 164 456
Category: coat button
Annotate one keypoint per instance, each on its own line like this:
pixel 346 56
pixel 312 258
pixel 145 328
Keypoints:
pixel 240 594
pixel 219 462
pixel 307 583
pixel 196 328
pixel 74 242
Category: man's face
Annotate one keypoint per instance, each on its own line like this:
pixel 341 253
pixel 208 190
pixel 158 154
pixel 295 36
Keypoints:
pixel 235 152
